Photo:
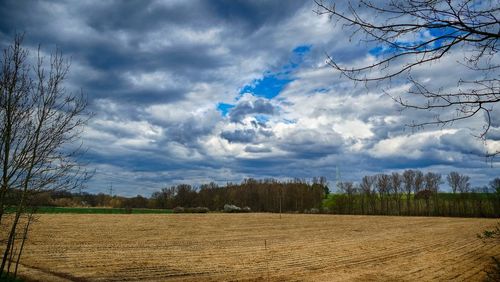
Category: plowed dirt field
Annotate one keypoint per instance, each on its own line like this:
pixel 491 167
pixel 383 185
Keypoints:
pixel 256 247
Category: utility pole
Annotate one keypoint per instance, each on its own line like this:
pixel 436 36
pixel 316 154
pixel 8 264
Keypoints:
pixel 111 189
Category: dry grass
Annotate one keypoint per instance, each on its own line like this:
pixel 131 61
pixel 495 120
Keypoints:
pixel 218 247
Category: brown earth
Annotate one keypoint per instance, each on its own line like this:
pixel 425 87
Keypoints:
pixel 256 247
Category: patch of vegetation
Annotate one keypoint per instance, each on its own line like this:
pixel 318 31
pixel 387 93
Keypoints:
pixel 191 210
pixel 10 279
pixel 83 210
pixel 491 234
pixel 235 209
pixel 492 272
pixel 425 202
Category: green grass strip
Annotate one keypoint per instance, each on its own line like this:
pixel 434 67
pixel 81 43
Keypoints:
pixel 92 210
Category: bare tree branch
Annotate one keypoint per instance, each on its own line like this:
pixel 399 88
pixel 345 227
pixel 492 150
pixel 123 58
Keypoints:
pixel 435 28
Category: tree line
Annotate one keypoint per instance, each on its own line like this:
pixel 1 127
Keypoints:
pixel 411 193
pixel 416 193
pixel 268 195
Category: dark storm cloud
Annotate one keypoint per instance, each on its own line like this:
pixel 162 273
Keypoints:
pixel 239 136
pixel 102 89
pixel 259 106
pixel 142 16
pixel 252 15
pixel 494 134
pixel 109 37
pixel 463 142
pixel 137 15
pixel 188 131
pixel 255 149
pixel 309 143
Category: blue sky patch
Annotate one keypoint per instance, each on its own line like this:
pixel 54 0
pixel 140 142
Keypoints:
pixel 444 31
pixel 376 51
pixel 224 108
pixel 273 83
pixel 434 32
pixel 269 86
pixel 302 50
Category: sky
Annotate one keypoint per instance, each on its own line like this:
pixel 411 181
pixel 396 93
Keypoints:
pixel 201 91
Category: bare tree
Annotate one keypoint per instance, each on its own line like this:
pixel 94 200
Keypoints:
pixel 408 180
pixel 494 188
pixel 421 32
pixel 40 123
pixel 432 181
pixel 383 184
pixel 464 184
pixel 396 180
pixel 366 193
pixel 460 183
pixel 419 181
pixel 495 185
pixel 348 188
pixel 453 179
pixel 418 185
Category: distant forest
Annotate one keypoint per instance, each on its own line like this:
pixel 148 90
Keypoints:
pixel 416 193
pixel 260 195
pixel 409 193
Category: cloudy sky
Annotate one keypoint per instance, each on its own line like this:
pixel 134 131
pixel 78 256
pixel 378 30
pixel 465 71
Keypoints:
pixel 200 91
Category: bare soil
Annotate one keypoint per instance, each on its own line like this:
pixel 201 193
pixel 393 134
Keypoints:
pixel 256 247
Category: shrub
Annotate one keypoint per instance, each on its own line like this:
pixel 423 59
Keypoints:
pixel 196 210
pixel 493 271
pixel 314 210
pixel 231 208
pixel 491 234
pixel 178 210
pixel 64 202
pixel 191 210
